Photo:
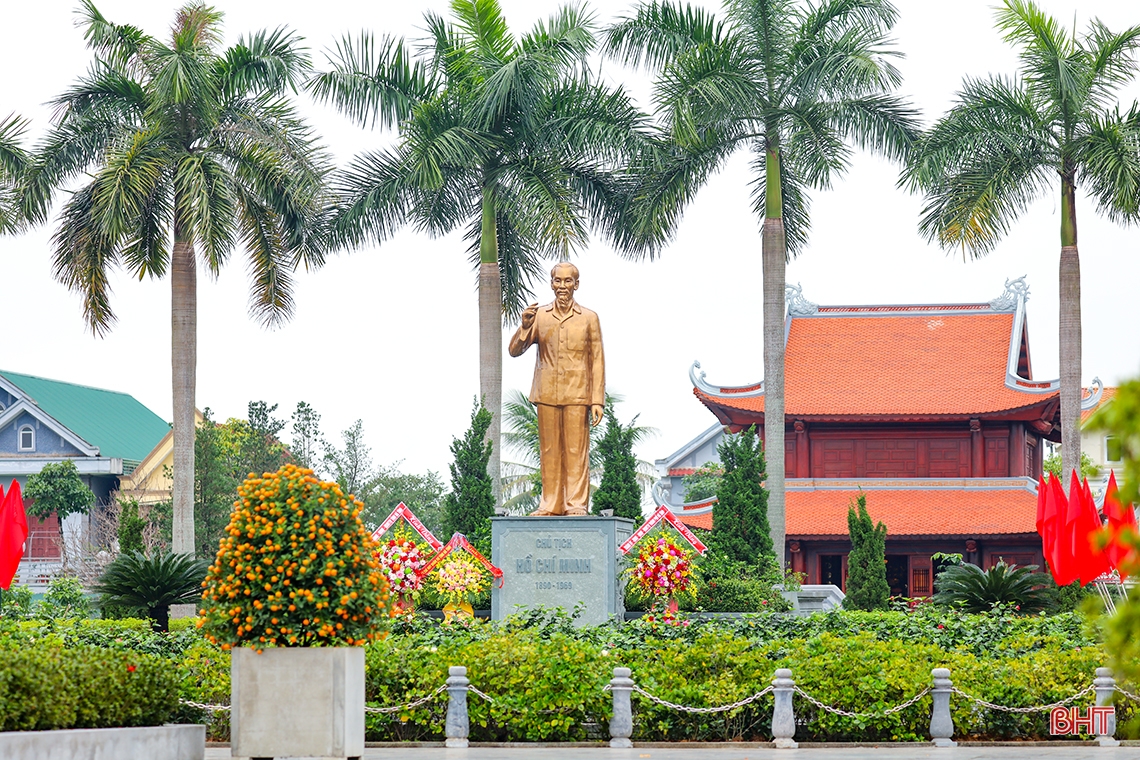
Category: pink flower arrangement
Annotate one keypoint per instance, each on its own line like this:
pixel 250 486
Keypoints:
pixel 401 560
pixel 663 568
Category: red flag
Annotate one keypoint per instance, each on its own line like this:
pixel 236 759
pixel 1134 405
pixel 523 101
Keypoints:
pixel 1085 523
pixel 1120 519
pixel 13 534
pixel 1060 549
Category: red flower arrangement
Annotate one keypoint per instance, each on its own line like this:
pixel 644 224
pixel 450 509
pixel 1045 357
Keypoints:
pixel 401 560
pixel 663 568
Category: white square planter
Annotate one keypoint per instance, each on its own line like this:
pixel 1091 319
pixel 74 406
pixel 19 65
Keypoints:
pixel 297 702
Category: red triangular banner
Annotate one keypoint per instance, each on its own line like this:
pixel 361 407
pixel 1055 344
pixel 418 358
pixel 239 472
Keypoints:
pixel 402 511
pixel 665 514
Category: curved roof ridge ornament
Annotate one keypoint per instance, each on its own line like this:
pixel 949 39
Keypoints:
pixel 722 391
pixel 1094 396
pixel 796 304
pixel 1016 294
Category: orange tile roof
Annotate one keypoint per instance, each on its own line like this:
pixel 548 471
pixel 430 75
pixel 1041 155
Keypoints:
pixel 1011 507
pixel 1105 397
pixel 898 361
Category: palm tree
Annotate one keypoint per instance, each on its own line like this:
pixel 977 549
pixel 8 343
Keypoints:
pixel 796 83
pixel 13 162
pixel 521 483
pixel 509 138
pixel 1008 139
pixel 184 141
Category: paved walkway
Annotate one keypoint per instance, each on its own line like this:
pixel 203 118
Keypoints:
pixel 729 752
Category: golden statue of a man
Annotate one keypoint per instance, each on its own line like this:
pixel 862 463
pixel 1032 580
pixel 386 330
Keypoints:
pixel 569 390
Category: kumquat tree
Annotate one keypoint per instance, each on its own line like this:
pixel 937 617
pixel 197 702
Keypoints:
pixel 296 568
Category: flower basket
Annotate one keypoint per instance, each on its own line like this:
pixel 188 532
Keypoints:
pixel 457 578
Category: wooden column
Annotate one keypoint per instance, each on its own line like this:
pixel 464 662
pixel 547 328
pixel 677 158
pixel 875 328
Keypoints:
pixel 1017 446
pixel 977 450
pixel 803 458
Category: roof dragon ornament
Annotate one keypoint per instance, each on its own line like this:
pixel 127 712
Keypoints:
pixel 1015 291
pixel 798 306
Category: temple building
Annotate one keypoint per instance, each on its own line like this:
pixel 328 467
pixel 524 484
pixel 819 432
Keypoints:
pixel 932 411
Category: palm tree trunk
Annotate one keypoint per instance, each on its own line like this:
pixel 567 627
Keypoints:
pixel 774 261
pixel 183 359
pixel 491 337
pixel 1070 334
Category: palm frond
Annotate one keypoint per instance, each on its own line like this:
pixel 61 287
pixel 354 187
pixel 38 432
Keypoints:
pixel 119 44
pixel 372 199
pixel 204 198
pixel 1052 62
pixel 982 164
pixel 658 31
pixel 146 249
pixel 1110 160
pixel 270 262
pixel 709 87
pixel 660 182
pixel 482 24
pixel 82 256
pixel 128 179
pixel 265 62
pixel 885 124
pixel 1113 62
pixel 373 81
pixel 14 160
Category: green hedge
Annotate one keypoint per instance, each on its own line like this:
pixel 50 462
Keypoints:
pixel 546 675
pixel 551 689
pixel 45 686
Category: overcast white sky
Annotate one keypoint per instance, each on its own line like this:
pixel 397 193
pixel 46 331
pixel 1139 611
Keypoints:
pixel 389 334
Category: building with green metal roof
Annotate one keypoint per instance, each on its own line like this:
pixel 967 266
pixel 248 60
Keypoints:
pixel 104 433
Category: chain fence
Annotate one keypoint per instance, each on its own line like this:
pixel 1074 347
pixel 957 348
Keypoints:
pixel 1128 694
pixel 848 714
pixel 480 694
pixel 208 708
pixel 1024 710
pixel 409 706
pixel 700 710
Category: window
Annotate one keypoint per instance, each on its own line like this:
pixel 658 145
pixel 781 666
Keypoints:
pixel 1112 450
pixel 27 438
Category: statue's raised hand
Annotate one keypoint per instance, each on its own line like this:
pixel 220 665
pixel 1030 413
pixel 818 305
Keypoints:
pixel 528 315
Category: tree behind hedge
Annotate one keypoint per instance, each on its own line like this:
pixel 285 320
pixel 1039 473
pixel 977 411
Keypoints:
pixel 58 489
pixel 469 506
pixel 740 515
pixel 867 587
pixel 618 490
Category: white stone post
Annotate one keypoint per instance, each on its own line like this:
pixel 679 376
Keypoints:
pixel 457 723
pixel 621 724
pixel 783 714
pixel 1105 686
pixel 941 721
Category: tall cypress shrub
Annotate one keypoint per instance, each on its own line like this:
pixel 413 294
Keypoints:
pixel 740 515
pixel 867 587
pixel 619 490
pixel 468 508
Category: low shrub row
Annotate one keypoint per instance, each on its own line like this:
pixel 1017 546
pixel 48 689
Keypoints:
pixel 45 686
pixel 546 676
pixel 551 689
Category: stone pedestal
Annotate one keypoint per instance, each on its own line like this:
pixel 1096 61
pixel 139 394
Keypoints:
pixel 560 562
pixel 297 702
